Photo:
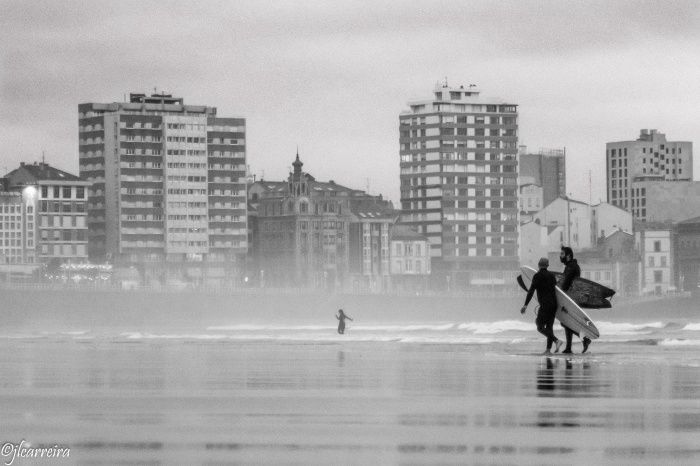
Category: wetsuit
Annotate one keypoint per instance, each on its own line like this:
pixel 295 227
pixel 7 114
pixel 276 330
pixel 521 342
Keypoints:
pixel 544 283
pixel 341 322
pixel 571 271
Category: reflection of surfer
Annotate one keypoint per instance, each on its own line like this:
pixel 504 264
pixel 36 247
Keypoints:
pixel 341 321
pixel 544 283
pixel 571 271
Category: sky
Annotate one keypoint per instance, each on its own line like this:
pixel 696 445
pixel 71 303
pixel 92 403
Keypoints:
pixel 332 77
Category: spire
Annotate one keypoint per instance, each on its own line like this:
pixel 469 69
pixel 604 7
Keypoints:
pixel 297 164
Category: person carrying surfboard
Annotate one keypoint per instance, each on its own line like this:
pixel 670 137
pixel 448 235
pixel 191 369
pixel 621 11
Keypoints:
pixel 341 321
pixel 571 272
pixel 544 283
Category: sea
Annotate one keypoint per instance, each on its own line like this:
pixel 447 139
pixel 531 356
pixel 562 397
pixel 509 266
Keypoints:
pixel 418 391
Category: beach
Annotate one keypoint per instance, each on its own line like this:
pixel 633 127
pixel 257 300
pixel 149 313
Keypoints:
pixel 419 392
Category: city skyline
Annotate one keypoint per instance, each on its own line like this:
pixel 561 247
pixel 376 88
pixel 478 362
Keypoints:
pixel 333 78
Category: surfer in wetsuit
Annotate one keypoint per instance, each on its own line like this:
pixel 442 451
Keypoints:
pixel 571 271
pixel 544 283
pixel 341 321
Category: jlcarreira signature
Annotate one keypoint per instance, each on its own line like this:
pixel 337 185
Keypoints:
pixel 11 451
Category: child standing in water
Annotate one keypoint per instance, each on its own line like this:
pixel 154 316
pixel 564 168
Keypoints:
pixel 341 321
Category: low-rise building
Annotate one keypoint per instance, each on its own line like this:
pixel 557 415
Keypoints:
pixel 304 228
pixel 687 247
pixel 655 245
pixel 55 202
pixel 369 248
pixel 531 198
pixel 410 259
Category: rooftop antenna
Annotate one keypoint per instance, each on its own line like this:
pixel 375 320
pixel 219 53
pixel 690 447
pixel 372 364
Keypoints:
pixel 367 181
pixel 445 81
pixel 43 157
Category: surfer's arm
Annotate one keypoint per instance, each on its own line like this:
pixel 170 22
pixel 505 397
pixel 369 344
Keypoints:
pixel 531 291
pixel 349 317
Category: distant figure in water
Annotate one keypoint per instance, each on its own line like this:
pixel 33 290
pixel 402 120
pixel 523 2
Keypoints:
pixel 341 321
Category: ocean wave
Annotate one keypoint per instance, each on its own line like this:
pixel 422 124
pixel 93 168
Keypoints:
pixel 154 336
pixel 692 327
pixel 628 328
pixel 438 327
pixel 480 328
pixel 263 328
pixel 679 342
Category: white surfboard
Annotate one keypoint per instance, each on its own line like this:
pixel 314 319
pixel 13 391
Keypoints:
pixel 568 312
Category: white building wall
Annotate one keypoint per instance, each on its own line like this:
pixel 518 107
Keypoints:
pixel 657 254
pixel 608 219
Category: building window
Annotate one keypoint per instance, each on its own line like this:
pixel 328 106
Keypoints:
pixel 657 246
pixel 658 276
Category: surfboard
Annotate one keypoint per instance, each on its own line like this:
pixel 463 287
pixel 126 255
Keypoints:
pixel 586 293
pixel 568 312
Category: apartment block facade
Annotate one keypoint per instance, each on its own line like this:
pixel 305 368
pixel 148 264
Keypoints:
pixel 53 217
pixel 650 158
pixel 459 182
pixel 167 181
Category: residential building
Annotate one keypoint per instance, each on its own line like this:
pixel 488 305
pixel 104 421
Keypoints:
pixel 665 201
pixel 369 247
pixel 687 248
pixel 567 222
pixel 304 232
pixel 538 240
pixel 55 207
pixel 410 259
pixel 168 186
pixel 650 158
pixel 582 224
pixel 17 235
pixel 546 168
pixel 607 219
pixel 655 246
pixel 575 219
pixel 531 198
pixel 459 182
pixel 613 262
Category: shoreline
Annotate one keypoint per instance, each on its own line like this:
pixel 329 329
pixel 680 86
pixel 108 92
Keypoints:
pixel 143 310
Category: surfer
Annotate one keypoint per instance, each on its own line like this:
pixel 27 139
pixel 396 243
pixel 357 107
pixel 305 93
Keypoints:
pixel 341 321
pixel 571 271
pixel 544 283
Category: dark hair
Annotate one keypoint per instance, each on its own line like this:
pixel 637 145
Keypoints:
pixel 567 251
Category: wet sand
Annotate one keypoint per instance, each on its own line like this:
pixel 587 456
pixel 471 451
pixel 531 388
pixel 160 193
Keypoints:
pixel 183 401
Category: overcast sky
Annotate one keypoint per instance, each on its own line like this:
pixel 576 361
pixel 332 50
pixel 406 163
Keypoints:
pixel 332 77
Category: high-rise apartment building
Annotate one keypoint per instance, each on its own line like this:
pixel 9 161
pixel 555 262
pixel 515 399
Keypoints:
pixel 168 182
pixel 650 158
pixel 547 169
pixel 459 175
